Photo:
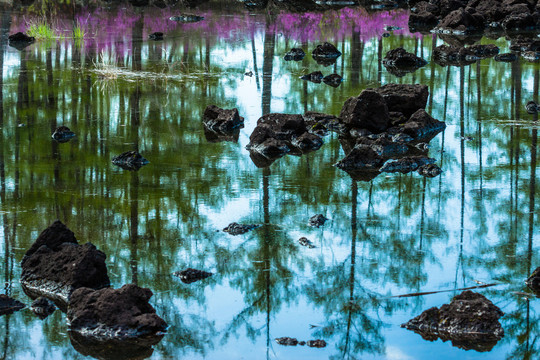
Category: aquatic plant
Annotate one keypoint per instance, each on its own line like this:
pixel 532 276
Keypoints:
pixel 41 30
pixel 78 33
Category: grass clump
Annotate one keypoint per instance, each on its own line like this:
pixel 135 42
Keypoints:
pixel 78 33
pixel 42 30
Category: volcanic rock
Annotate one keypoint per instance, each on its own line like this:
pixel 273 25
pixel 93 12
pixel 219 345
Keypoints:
pixel 130 160
pixel 222 121
pixel 317 220
pixel 404 98
pixel 295 54
pixel 239 229
pixel 190 275
pixel 406 164
pixel 366 111
pixel 42 307
pixel 63 134
pixel 120 314
pixel 56 265
pixel 9 305
pixel 470 321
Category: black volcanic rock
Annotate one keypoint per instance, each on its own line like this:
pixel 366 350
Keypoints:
pixel 404 98
pixel 222 120
pixel 366 111
pixel 120 314
pixel 130 160
pixel 56 265
pixel 9 305
pixel 470 321
pixel 190 275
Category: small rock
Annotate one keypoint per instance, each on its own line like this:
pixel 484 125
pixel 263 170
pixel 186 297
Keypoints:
pixel 222 120
pixel 187 18
pixel 316 343
pixel 42 307
pixel 130 160
pixel 314 77
pixel 533 282
pixel 239 229
pixel 9 305
pixel 326 50
pixel 190 275
pixel 406 164
pixel 429 170
pixel 532 107
pixel 305 242
pixel 317 220
pixel 249 73
pixel 506 57
pixel 333 80
pixel 63 134
pixel 156 36
pixel 295 54
pixel 286 341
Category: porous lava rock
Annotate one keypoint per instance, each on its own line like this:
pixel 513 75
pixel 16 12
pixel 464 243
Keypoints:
pixel 315 77
pixel 422 127
pixel 429 170
pixel 42 307
pixel 278 134
pixel 317 220
pixel 222 120
pixel 399 61
pixel 9 305
pixel 130 160
pixel 120 314
pixel 470 321
pixel 190 275
pixel 56 265
pixel 366 111
pixel 406 164
pixel 295 54
pixel 333 80
pixel 239 229
pixel 404 98
pixel 533 282
pixel 63 134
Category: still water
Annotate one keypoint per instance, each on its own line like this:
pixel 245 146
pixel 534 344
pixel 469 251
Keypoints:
pixel 394 235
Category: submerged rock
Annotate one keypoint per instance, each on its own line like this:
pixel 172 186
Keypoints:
pixel 532 107
pixel 316 343
pixel 321 123
pixel 325 54
pixel 314 77
pixel 470 321
pixel 400 62
pixel 9 305
pixel 130 160
pixel 56 265
pixel 222 120
pixel 136 349
pixel 190 275
pixel 317 220
pixel 533 282
pixel 63 134
pixel 406 164
pixel 506 57
pixel 186 18
pixel 305 242
pixel 429 170
pixel 20 40
pixel 295 54
pixel 42 307
pixel 334 80
pixel 286 341
pixel 239 229
pixel 156 36
pixel 445 55
pixel 326 50
pixel 115 314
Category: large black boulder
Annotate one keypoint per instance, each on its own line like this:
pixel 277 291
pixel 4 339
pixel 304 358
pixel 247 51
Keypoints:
pixel 404 98
pixel 366 111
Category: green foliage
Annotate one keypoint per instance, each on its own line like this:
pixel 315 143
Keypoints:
pixel 42 30
pixel 78 33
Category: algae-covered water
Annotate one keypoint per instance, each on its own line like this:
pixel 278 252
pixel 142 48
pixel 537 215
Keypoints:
pixel 476 223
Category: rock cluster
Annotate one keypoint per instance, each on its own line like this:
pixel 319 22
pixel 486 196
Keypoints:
pixel 75 277
pixel 462 17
